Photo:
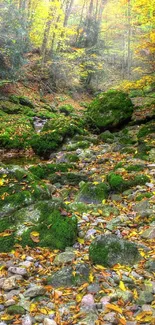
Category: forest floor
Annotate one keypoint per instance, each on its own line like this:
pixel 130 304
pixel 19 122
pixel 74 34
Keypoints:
pixel 117 295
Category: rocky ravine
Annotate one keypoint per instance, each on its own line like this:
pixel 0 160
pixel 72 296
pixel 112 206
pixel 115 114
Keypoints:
pixel 102 192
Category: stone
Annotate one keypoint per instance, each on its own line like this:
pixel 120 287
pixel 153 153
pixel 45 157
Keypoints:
pixel 150 265
pixel 10 283
pixel 110 317
pixel 17 270
pixel 15 309
pixel 90 319
pixel 145 297
pixel 67 276
pixel 10 302
pixel 143 209
pixel 88 301
pixel 149 233
pixel 63 258
pixel 48 321
pixel 27 320
pixel 109 250
pixel 34 291
pixel 93 288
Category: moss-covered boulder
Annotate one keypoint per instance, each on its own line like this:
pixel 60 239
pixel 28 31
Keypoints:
pixel 44 171
pixel 25 101
pixel 109 110
pixel 54 134
pixel 69 178
pixel 19 188
pixel 109 250
pixel 93 193
pixel 15 131
pixel 119 184
pixel 66 109
pixel 54 229
pixel 16 309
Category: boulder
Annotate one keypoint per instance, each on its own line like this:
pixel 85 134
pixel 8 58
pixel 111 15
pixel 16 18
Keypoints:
pixel 110 110
pixel 109 250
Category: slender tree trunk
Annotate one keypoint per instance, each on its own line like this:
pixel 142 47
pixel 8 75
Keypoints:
pixel 129 40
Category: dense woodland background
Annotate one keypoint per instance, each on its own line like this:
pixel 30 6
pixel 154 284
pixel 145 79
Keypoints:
pixel 77 45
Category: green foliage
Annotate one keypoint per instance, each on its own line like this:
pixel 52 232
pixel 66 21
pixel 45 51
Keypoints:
pixel 118 184
pixel 136 168
pixel 15 309
pixel 66 109
pixel 146 130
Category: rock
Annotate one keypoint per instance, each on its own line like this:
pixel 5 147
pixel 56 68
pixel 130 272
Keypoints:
pixel 110 109
pixel 10 302
pixel 68 276
pixel 109 250
pixel 116 197
pixel 89 320
pixel 48 321
pixel 150 265
pixel 149 233
pixel 91 193
pixel 88 301
pixel 63 258
pixel 9 295
pixel 2 282
pixel 143 209
pixel 111 317
pixel 27 320
pixel 17 270
pixel 145 297
pixel 10 283
pixel 93 288
pixel 34 291
pixel 13 310
pixel 126 296
pixel 152 155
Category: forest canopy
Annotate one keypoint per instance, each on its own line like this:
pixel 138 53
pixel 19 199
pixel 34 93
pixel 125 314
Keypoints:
pixel 78 44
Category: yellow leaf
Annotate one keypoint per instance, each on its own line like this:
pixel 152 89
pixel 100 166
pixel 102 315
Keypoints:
pixel 33 307
pixel 6 317
pixel 43 311
pixel 122 321
pixel 35 233
pixel 103 201
pixel 144 315
pixel 122 286
pixel 114 307
pixel 91 277
pixel 67 202
pixel 1 181
pixel 100 267
pixel 80 240
pixel 79 297
pixel 100 211
pixel 95 183
pixel 135 294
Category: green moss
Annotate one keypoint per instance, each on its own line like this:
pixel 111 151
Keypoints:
pixel 138 180
pixel 44 170
pixel 135 168
pixel 146 130
pixel 67 109
pixel 25 101
pixel 144 195
pixel 6 223
pixel 106 136
pixel 54 134
pixel 15 309
pixel 118 165
pixel 91 193
pixel 79 144
pixel 15 131
pixel 116 182
pixel 72 157
pixel 110 109
pixel 56 231
pixel 68 178
pixel 7 243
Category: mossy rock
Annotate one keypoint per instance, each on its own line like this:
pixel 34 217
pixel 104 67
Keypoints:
pixel 66 109
pixel 68 178
pixel 72 157
pixel 54 134
pixel 44 171
pixel 16 309
pixel 135 168
pixel 20 188
pixel 107 136
pixel 15 131
pixel 118 184
pixel 55 231
pixel 110 110
pixel 91 193
pixel 25 101
pixel 146 130
pixel 108 250
pixel 80 144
